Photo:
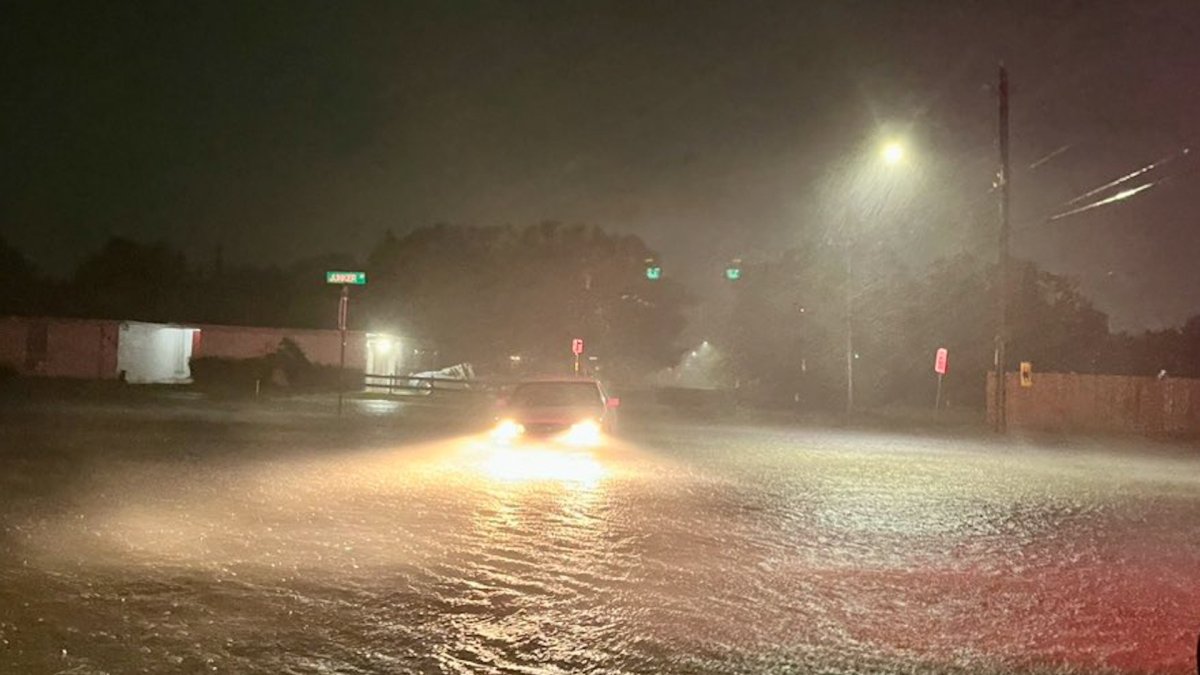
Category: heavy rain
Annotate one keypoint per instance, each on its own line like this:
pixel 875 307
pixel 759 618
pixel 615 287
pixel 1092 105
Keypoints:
pixel 605 337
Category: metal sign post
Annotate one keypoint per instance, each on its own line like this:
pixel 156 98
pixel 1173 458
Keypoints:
pixel 343 310
pixel 345 280
pixel 941 363
pixel 577 350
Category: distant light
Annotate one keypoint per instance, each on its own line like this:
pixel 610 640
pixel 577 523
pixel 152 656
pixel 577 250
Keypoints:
pixel 693 354
pixel 654 273
pixel 515 358
pixel 893 152
pixel 383 346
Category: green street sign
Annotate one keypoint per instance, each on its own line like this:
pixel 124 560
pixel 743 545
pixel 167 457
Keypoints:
pixel 347 278
pixel 654 273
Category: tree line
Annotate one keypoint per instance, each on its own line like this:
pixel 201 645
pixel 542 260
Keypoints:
pixel 478 294
pixel 788 329
pixel 487 294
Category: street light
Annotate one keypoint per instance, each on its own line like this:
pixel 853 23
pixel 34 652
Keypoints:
pixel 892 153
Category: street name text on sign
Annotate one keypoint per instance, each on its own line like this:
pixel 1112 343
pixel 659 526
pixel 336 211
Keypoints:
pixel 346 278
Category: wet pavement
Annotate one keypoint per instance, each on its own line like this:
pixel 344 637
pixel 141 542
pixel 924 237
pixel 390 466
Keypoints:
pixel 199 538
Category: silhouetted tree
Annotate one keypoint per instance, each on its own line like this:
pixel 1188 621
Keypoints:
pixel 899 321
pixel 22 289
pixel 130 280
pixel 484 293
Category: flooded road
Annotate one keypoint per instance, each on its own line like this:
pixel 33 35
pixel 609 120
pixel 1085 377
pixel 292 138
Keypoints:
pixel 182 541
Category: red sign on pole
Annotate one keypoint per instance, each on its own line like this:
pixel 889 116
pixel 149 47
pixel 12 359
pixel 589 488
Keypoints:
pixel 577 346
pixel 941 361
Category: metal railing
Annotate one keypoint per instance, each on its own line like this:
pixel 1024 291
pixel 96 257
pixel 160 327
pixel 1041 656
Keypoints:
pixel 422 385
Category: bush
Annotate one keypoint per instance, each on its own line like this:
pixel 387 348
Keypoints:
pixel 287 367
pixel 213 371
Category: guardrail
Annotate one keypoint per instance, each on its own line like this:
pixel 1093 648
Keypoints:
pixel 412 384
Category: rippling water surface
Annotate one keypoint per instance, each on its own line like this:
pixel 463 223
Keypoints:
pixel 681 548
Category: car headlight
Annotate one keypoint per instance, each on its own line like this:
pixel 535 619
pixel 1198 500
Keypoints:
pixel 583 434
pixel 507 430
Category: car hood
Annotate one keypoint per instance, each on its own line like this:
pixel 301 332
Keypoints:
pixel 564 416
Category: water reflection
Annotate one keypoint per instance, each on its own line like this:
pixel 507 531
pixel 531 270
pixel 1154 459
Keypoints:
pixel 378 407
pixel 582 469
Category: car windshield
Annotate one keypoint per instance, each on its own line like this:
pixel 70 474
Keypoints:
pixel 555 395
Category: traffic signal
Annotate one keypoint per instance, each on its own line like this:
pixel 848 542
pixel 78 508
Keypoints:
pixel 733 271
pixel 653 269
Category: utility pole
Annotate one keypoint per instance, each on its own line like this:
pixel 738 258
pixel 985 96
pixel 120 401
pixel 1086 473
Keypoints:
pixel 849 327
pixel 1002 262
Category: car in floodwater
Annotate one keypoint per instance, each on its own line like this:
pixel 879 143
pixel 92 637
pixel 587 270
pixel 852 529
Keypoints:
pixel 575 412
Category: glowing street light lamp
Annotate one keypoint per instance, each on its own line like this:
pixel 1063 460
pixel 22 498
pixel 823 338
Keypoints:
pixel 893 153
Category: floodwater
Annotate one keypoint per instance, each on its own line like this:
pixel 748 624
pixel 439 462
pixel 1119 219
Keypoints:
pixel 151 541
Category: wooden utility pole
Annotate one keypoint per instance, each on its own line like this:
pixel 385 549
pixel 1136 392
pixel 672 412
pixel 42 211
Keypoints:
pixel 1002 262
pixel 849 328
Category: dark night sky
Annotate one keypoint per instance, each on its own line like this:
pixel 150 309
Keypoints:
pixel 285 129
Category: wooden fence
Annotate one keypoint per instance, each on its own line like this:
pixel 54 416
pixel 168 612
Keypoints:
pixel 1168 406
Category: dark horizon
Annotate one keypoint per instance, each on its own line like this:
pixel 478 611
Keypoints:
pixel 282 131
